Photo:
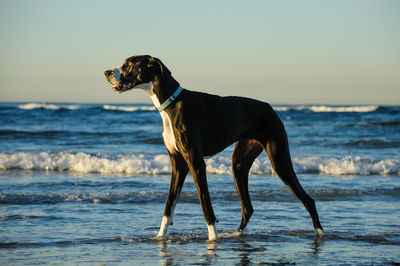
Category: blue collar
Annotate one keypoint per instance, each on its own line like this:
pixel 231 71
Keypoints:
pixel 169 100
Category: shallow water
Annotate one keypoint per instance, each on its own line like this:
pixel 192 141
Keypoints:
pixel 60 217
pixel 86 184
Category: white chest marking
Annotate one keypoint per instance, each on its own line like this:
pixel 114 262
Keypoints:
pixel 168 132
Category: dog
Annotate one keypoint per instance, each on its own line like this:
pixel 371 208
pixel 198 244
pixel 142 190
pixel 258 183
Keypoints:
pixel 196 125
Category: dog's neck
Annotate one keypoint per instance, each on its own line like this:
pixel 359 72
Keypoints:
pixel 159 90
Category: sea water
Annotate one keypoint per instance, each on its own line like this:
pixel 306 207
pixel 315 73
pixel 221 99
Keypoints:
pixel 87 183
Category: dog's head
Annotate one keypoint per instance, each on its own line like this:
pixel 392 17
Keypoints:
pixel 135 71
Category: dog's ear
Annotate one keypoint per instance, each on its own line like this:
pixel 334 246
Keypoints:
pixel 158 66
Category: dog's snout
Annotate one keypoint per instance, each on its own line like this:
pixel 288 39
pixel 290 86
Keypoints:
pixel 107 72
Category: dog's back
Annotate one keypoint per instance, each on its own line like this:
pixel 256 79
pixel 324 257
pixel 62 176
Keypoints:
pixel 223 120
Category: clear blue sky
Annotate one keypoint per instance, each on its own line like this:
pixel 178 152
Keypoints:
pixel 327 52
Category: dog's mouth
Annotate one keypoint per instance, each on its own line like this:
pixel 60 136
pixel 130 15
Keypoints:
pixel 123 87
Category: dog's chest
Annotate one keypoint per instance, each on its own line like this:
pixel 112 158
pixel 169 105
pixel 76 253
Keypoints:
pixel 168 133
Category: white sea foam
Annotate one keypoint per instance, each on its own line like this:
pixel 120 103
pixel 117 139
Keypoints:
pixel 30 106
pixel 281 108
pixel 329 109
pixel 128 108
pixel 85 163
pixel 347 165
pixel 160 164
pixel 313 108
pixel 347 109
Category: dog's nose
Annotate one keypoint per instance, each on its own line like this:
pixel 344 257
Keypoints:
pixel 107 72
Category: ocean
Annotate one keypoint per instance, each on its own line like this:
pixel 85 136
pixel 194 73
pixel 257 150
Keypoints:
pixel 87 183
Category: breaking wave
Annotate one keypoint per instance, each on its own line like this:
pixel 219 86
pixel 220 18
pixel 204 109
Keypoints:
pixel 348 109
pixel 106 107
pixel 134 108
pixel 160 164
pixel 128 108
pixel 329 109
pixel 31 106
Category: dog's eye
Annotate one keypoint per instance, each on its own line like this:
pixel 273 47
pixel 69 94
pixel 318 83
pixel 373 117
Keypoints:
pixel 126 68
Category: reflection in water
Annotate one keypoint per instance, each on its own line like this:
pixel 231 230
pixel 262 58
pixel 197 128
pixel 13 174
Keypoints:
pixel 244 254
pixel 245 250
pixel 172 252
pixel 238 250
pixel 211 254
pixel 316 246
pixel 165 255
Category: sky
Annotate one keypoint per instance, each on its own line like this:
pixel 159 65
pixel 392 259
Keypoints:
pixel 281 52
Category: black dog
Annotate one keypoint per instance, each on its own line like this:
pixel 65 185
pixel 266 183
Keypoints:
pixel 198 124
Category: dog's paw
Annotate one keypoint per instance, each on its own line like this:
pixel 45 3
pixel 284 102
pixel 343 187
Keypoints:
pixel 237 233
pixel 160 237
pixel 319 232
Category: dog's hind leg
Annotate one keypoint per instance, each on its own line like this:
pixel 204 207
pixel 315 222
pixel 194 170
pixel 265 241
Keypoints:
pixel 244 154
pixel 179 172
pixel 278 151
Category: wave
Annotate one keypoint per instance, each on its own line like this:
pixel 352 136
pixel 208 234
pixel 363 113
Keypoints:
pixel 128 108
pixel 381 143
pixel 227 237
pixel 53 133
pixel 65 243
pixel 344 109
pixel 145 197
pixel 160 165
pixel 107 107
pixel 26 217
pixel 225 234
pixel 140 107
pixel 31 106
pixel 347 165
pixel 85 163
pixel 392 123
pixel 329 109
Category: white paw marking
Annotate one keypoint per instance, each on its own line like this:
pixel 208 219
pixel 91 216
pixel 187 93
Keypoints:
pixel 212 232
pixel 167 220
pixel 319 232
pixel 164 226
pixel 237 233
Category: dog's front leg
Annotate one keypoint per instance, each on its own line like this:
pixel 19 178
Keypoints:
pixel 198 169
pixel 179 172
